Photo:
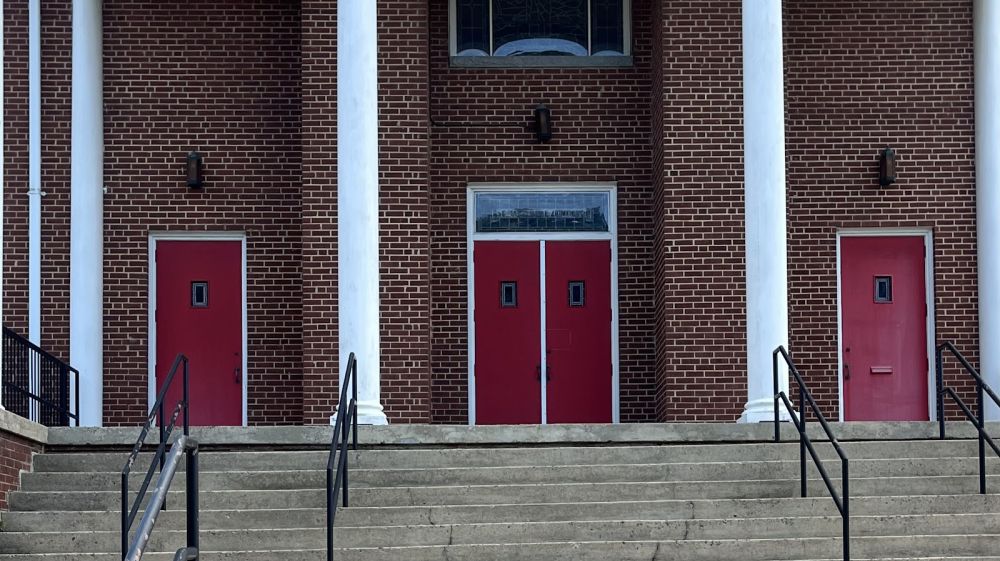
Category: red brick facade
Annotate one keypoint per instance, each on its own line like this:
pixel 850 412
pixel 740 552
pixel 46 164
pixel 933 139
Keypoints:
pixel 15 457
pixel 252 85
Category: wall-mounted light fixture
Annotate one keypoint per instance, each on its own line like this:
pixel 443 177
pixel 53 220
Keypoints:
pixel 543 123
pixel 195 180
pixel 887 167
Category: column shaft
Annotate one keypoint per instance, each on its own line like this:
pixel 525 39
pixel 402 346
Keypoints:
pixel 987 92
pixel 358 200
pixel 764 161
pixel 87 210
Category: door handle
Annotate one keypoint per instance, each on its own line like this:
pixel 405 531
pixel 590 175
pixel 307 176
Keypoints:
pixel 847 365
pixel 237 373
pixel 538 372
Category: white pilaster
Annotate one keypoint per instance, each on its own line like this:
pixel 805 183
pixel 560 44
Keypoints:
pixel 764 168
pixel 87 211
pixel 357 200
pixel 987 92
pixel 34 175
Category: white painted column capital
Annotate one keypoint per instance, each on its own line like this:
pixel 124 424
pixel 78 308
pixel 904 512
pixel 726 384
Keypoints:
pixel 986 15
pixel 358 201
pixel 86 260
pixel 764 176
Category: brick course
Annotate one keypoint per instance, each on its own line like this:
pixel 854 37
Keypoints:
pixel 15 456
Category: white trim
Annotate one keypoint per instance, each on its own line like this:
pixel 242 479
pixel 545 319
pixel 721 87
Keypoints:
pixel 155 237
pixel 543 348
pixel 626 28
pixel 611 188
pixel 928 236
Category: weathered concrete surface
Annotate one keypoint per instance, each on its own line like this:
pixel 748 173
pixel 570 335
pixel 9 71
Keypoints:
pixel 449 435
pixel 19 426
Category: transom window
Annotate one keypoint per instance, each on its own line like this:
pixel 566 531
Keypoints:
pixel 542 212
pixel 540 28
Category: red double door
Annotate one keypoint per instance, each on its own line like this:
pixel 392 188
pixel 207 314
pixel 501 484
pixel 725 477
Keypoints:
pixel 884 330
pixel 533 348
pixel 199 312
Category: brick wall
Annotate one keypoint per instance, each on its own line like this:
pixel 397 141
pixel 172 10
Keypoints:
pixel 701 300
pixel 857 81
pixel 15 456
pixel 601 133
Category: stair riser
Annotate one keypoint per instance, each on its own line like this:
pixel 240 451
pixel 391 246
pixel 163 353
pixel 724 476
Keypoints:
pixel 459 457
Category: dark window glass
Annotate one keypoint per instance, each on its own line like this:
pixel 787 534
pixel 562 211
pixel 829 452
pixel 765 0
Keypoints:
pixel 508 294
pixel 199 294
pixel 540 27
pixel 542 212
pixel 606 25
pixel 576 294
pixel 883 289
pixel 472 20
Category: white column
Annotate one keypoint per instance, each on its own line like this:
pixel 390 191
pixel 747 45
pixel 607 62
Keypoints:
pixel 34 175
pixel 987 92
pixel 87 211
pixel 357 200
pixel 764 169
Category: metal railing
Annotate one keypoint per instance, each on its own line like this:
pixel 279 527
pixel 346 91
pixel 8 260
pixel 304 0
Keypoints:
pixel 347 419
pixel 132 550
pixel 37 385
pixel 978 420
pixel 805 443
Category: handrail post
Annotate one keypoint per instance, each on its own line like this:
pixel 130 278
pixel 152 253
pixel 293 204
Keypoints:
pixel 846 501
pixel 125 509
pixel 187 429
pixel 192 491
pixel 330 506
pixel 803 413
pixel 940 390
pixel 63 395
pixel 76 379
pixel 162 429
pixel 774 372
pixel 343 448
pixel 354 396
pixel 981 425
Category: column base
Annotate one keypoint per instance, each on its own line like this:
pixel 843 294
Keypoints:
pixel 762 411
pixel 368 414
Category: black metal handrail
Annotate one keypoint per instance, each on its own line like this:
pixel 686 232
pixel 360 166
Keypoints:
pixel 36 384
pixel 132 551
pixel 347 412
pixel 978 420
pixel 805 443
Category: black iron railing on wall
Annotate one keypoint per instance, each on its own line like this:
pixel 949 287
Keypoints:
pixel 336 465
pixel 37 385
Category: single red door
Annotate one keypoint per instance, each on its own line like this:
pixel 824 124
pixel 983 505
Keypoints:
pixel 199 306
pixel 578 331
pixel 884 343
pixel 508 332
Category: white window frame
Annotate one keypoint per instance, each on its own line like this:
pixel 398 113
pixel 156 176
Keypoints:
pixel 626 32
pixel 472 236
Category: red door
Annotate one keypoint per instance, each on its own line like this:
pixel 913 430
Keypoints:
pixel 578 331
pixel 508 333
pixel 199 305
pixel 884 343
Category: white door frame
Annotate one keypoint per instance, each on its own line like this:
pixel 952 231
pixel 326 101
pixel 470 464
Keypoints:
pixel 155 237
pixel 927 235
pixel 611 235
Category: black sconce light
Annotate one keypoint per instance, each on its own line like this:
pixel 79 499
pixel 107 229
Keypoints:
pixel 195 180
pixel 887 167
pixel 543 123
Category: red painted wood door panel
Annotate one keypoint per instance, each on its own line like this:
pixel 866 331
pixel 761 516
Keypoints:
pixel 578 331
pixel 199 307
pixel 508 332
pixel 884 332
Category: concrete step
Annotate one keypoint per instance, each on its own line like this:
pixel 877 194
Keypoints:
pixel 305 479
pixel 54 521
pixel 978 546
pixel 533 532
pixel 525 456
pixel 503 494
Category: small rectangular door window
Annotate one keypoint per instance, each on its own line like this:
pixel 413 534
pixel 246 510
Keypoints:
pixel 576 294
pixel 508 294
pixel 199 294
pixel 883 289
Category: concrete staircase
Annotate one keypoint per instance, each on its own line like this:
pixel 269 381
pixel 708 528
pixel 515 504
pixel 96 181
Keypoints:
pixel 911 499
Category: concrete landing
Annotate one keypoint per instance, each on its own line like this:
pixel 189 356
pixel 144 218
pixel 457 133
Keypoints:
pixel 452 435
